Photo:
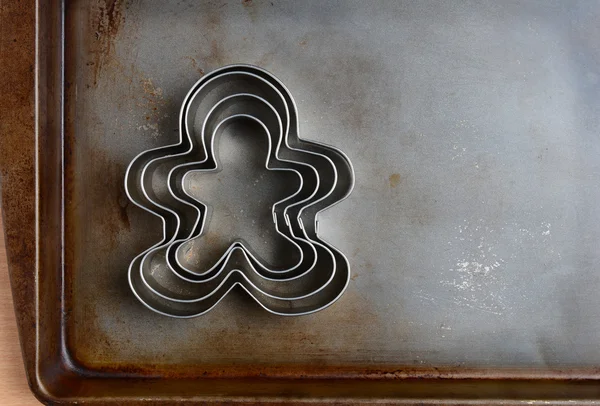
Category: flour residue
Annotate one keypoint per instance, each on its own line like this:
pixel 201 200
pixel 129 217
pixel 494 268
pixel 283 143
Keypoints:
pixel 476 275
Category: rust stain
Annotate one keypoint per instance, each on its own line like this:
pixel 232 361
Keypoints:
pixel 106 21
pixel 214 52
pixel 303 43
pixel 144 93
pixel 17 152
pixel 195 65
pixel 108 198
pixel 90 338
pixel 188 253
pixel 123 204
pixel 152 101
pixel 251 8
pixel 395 180
pixel 265 59
pixel 204 251
pixel 213 19
pixel 150 89
pixel 217 53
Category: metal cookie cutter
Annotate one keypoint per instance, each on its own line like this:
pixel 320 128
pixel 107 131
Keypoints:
pixel 295 293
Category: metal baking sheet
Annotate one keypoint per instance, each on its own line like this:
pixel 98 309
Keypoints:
pixel 472 232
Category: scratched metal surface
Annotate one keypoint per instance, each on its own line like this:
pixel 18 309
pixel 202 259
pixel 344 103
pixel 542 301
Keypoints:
pixel 473 230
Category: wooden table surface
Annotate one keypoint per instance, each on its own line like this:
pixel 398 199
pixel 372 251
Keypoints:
pixel 13 384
